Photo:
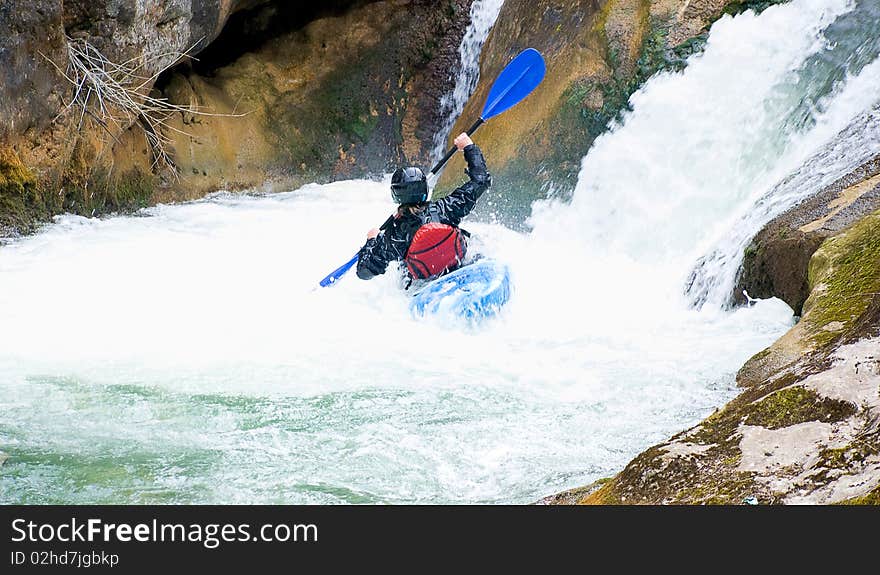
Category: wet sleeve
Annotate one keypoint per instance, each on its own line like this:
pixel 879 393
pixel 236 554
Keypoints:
pixel 373 258
pixel 459 203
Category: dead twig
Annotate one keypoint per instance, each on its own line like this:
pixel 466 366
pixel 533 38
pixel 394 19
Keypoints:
pixel 117 94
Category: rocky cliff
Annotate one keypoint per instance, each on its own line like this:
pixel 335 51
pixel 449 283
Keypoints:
pixel 350 95
pixel 287 94
pixel 62 153
pixel 775 264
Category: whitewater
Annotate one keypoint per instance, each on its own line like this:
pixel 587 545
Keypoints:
pixel 186 355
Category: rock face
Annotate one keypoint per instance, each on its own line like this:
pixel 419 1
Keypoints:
pixel 776 262
pixel 67 153
pixel 598 52
pixel 326 89
pixel 349 95
pixel 34 52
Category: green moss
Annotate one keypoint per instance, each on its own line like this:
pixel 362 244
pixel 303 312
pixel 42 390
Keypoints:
pixel 795 405
pixel 653 479
pixel 732 460
pixel 353 108
pixel 601 20
pixel 872 498
pixel 575 496
pixel 761 355
pixel 845 457
pixel 604 495
pixel 834 458
pixel 15 178
pixel 451 9
pixel 22 200
pixel 426 52
pixel 718 490
pixel 847 267
pixel 90 188
pixel 130 192
pixel 718 429
pixel 363 126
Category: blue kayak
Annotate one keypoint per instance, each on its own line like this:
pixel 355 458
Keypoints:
pixel 474 292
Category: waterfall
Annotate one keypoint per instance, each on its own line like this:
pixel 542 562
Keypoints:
pixel 777 106
pixel 835 87
pixel 483 16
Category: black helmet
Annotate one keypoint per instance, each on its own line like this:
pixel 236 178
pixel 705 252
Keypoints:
pixel 409 186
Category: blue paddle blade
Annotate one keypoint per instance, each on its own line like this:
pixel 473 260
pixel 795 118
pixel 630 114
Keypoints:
pixel 339 272
pixel 515 82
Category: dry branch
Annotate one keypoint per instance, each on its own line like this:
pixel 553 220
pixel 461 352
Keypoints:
pixel 117 94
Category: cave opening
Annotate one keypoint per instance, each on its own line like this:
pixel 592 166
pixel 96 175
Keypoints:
pixel 249 29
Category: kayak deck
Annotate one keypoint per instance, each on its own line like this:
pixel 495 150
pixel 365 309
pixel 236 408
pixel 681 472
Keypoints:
pixel 474 292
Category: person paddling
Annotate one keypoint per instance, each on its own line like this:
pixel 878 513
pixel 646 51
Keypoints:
pixel 425 235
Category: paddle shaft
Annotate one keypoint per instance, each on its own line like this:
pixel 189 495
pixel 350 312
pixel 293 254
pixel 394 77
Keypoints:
pixel 339 272
pixel 516 81
pixel 454 149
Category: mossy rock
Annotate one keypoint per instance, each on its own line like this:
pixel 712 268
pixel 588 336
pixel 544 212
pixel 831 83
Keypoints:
pixel 758 6
pixel 91 186
pixel 872 498
pixel 20 198
pixel 794 405
pixel 844 275
pixel 15 178
pixel 843 305
pixel 653 479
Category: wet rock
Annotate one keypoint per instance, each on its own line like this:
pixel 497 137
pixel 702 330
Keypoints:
pixel 776 262
pixel 326 94
pixel 353 94
pixel 71 153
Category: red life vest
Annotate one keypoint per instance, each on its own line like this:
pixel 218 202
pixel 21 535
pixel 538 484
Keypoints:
pixel 435 249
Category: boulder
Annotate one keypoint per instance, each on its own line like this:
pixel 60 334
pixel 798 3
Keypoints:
pixel 776 262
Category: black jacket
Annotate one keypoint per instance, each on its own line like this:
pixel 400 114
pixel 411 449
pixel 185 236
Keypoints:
pixel 397 233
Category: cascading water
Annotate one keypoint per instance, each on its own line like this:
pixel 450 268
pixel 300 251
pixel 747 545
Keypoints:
pixel 833 87
pixel 483 16
pixel 185 356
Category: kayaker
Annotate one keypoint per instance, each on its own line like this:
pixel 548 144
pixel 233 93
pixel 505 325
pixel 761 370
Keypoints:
pixel 425 235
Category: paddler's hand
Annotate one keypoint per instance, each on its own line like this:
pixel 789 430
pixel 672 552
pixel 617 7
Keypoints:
pixel 462 141
pixel 372 233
